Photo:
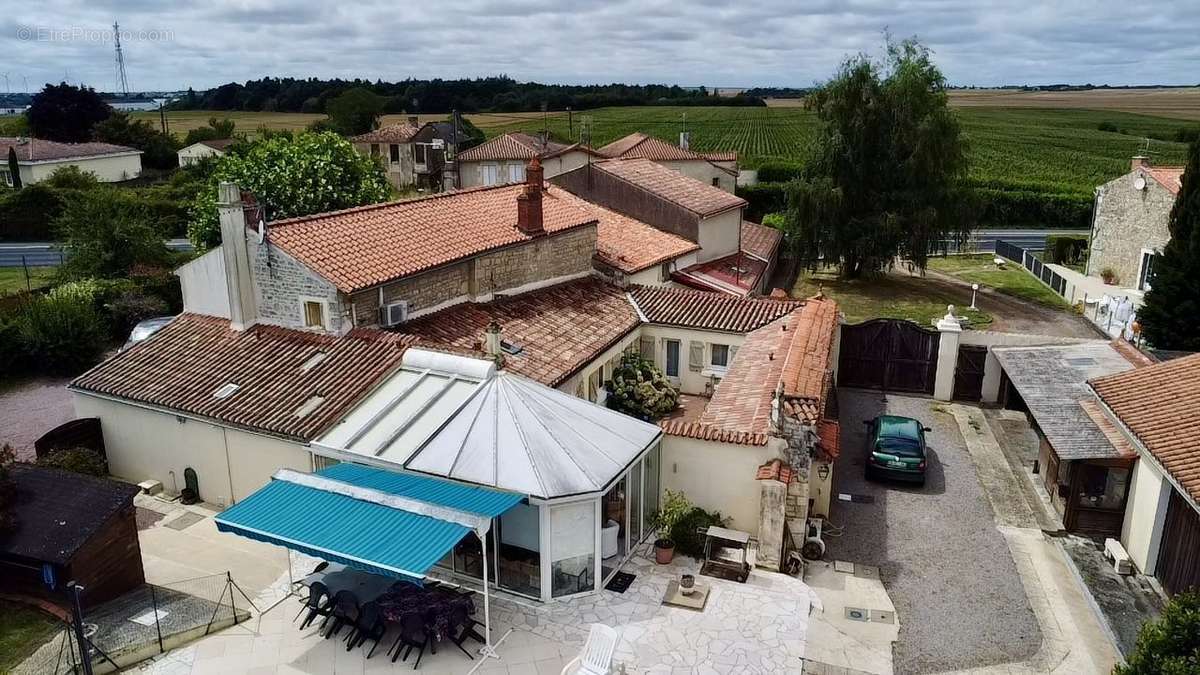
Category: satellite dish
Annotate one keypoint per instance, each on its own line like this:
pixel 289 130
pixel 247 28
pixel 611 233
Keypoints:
pixel 262 230
pixel 1139 183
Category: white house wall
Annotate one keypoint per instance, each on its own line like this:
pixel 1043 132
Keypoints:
pixel 719 235
pixel 202 281
pixel 470 174
pixel 703 171
pixel 1145 512
pixel 690 381
pixel 196 152
pixel 717 476
pixel 107 169
pixel 230 464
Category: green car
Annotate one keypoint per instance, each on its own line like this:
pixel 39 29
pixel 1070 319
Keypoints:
pixel 896 449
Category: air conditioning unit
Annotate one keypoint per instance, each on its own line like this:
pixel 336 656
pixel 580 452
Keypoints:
pixel 394 313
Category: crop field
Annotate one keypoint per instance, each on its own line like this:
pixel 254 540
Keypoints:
pixel 182 121
pixel 1050 150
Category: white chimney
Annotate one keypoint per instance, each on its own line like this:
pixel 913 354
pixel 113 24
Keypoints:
pixel 684 138
pixel 493 337
pixel 239 280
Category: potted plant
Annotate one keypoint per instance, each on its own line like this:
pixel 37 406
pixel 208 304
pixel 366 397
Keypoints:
pixel 674 507
pixel 687 584
pixel 1109 275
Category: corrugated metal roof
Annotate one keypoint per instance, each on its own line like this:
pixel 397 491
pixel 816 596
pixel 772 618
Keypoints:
pixel 1052 380
pixel 339 528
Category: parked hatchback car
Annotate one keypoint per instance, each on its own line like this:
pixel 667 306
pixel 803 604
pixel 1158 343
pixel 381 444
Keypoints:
pixel 896 449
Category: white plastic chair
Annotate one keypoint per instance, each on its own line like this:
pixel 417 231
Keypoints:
pixel 597 654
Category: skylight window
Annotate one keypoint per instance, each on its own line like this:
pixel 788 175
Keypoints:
pixel 309 406
pixel 226 390
pixel 313 361
pixel 511 347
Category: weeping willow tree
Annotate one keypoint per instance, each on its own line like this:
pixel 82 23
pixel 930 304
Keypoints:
pixel 888 174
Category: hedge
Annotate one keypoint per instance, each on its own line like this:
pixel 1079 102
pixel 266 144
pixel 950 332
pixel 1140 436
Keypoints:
pixel 1066 249
pixel 1026 207
pixel 779 172
pixel 28 214
pixel 763 198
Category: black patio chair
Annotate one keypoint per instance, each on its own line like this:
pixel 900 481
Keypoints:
pixel 464 625
pixel 413 635
pixel 369 626
pixel 318 603
pixel 345 612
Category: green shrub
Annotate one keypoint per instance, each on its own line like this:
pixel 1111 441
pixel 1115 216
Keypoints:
pixel 639 389
pixel 71 177
pixel 779 172
pixel 28 214
pixel 76 460
pixel 62 334
pixel 131 307
pixel 1027 207
pixel 1170 645
pixel 763 198
pixel 688 533
pixel 1066 249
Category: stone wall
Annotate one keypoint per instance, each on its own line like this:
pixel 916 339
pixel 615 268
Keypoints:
pixel 1127 221
pixel 540 260
pixel 281 283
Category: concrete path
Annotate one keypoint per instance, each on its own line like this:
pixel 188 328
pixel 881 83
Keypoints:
pixel 837 643
pixel 1073 638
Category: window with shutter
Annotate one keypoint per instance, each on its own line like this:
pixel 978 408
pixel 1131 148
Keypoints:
pixel 647 345
pixel 695 356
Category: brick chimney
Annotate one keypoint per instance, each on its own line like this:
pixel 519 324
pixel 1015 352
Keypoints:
pixel 1139 162
pixel 529 202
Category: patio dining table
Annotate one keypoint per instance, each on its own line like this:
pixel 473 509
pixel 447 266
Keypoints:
pixel 364 585
pixel 435 605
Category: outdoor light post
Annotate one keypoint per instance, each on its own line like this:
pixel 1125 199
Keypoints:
pixel 974 290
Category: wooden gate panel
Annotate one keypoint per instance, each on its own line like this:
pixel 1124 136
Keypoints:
pixel 1179 554
pixel 968 374
pixel 889 354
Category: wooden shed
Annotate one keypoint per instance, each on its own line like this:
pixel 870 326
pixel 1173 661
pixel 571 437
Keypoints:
pixel 70 527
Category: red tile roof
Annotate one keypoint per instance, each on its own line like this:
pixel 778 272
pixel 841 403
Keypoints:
pixel 1160 406
pixel 830 434
pixel 181 367
pixel 559 329
pixel 362 247
pixel 517 146
pixel 760 241
pixel 792 353
pixel 642 146
pixel 700 198
pixel 401 132
pixel 1170 177
pixel 737 275
pixel 219 143
pixel 707 310
pixel 630 245
pixel 38 150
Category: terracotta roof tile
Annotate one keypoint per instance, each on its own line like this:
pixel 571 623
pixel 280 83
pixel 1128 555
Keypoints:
pixel 693 195
pixel 630 245
pixel 184 364
pixel 38 150
pixel 559 329
pixel 738 275
pixel 809 361
pixel 830 434
pixel 724 156
pixel 515 145
pixel 760 241
pixel 1160 406
pixel 1170 177
pixel 219 143
pixel 642 146
pixel 401 132
pixel 362 247
pixel 707 310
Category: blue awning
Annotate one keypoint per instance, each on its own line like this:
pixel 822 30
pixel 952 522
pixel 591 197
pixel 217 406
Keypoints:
pixel 374 520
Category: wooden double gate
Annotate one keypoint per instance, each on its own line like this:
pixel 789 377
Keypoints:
pixel 1178 565
pixel 889 354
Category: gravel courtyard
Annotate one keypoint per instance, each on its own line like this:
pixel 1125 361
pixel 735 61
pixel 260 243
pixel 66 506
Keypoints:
pixel 30 408
pixel 950 574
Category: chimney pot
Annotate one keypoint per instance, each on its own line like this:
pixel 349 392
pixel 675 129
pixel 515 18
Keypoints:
pixel 493 338
pixel 529 202
pixel 1139 162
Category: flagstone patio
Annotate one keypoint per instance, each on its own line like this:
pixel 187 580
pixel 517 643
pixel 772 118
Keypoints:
pixel 756 627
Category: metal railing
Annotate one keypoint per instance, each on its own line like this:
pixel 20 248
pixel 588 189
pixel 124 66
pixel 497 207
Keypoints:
pixel 1035 266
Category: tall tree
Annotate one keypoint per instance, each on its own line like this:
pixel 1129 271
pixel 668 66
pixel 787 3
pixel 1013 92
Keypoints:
pixel 158 149
pixel 887 177
pixel 291 176
pixel 354 111
pixel 14 169
pixel 66 113
pixel 1170 317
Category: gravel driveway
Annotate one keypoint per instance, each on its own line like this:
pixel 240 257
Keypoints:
pixel 948 570
pixel 30 408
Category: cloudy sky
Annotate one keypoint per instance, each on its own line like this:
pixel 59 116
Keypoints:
pixel 689 42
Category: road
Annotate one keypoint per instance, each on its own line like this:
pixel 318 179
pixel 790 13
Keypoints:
pixel 47 254
pixel 1033 240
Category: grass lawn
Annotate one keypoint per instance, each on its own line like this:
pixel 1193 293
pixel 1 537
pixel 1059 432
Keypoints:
pixel 1012 280
pixel 889 297
pixel 22 631
pixel 12 279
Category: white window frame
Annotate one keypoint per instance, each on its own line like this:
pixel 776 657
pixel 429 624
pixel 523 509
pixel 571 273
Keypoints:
pixel 516 172
pixel 674 379
pixel 7 175
pixel 487 168
pixel 1141 283
pixel 393 151
pixel 324 304
pixel 712 353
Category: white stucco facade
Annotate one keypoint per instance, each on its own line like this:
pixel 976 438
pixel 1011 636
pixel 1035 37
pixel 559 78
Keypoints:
pixel 718 476
pixel 147 443
pixel 1145 512
pixel 719 235
pixel 472 174
pixel 706 172
pixel 196 152
pixel 107 168
pixel 202 281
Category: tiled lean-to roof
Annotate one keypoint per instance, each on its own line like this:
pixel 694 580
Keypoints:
pixel 1160 406
pixel 366 246
pixel 707 310
pixel 642 146
pixel 631 245
pixel 276 380
pixel 698 197
pixel 516 146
